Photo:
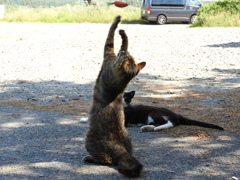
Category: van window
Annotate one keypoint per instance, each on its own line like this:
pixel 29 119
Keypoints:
pixel 168 2
pixel 143 3
pixel 195 3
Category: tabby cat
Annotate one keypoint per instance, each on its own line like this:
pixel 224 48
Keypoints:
pixel 107 140
pixel 155 118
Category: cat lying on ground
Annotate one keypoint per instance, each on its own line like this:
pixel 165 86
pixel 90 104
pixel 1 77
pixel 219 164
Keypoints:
pixel 155 118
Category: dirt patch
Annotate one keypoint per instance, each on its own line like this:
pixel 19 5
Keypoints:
pixel 223 109
pixel 223 112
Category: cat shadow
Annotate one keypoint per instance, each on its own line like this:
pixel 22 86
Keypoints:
pixel 226 45
pixel 45 91
pixel 178 158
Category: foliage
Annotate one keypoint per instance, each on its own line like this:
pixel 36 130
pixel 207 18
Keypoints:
pixel 219 13
pixel 230 6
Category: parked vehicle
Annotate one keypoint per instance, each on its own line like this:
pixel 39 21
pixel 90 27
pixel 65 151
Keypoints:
pixel 162 11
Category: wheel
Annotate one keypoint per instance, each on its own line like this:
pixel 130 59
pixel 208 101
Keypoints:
pixel 193 19
pixel 161 19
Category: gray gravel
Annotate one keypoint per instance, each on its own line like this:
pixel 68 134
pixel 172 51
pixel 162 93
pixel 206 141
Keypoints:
pixel 40 62
pixel 43 145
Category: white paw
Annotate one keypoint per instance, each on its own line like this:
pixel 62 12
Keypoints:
pixel 157 128
pixel 83 120
pixel 147 128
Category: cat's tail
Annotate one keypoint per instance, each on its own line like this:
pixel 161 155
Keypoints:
pixel 186 121
pixel 129 166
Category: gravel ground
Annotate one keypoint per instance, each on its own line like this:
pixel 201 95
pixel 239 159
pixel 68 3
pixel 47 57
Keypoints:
pixel 42 60
pixel 57 63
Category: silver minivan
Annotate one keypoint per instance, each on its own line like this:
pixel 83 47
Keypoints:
pixel 162 11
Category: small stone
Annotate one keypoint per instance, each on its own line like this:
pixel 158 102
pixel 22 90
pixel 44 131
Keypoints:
pixel 32 99
pixel 83 120
pixel 170 171
pixel 20 82
pixel 75 98
pixel 227 115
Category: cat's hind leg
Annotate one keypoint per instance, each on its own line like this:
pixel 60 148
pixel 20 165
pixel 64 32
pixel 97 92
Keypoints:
pixel 147 128
pixel 101 158
pixel 164 126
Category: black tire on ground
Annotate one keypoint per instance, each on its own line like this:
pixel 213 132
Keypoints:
pixel 161 19
pixel 193 19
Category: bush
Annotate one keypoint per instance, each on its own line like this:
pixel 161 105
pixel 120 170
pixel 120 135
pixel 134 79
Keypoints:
pixel 219 13
pixel 231 6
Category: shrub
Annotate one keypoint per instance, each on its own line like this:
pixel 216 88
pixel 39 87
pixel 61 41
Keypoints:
pixel 219 13
pixel 231 6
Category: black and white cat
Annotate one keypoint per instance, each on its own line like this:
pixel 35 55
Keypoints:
pixel 154 118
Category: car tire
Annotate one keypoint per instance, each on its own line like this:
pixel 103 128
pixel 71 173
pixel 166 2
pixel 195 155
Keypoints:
pixel 161 19
pixel 193 19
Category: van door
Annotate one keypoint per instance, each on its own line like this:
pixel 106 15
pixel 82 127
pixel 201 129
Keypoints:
pixel 175 9
pixel 178 13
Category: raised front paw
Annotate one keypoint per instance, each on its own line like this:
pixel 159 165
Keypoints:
pixel 118 18
pixel 147 128
pixel 122 32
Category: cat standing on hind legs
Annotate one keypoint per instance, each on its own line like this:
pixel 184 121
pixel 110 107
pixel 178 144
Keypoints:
pixel 107 140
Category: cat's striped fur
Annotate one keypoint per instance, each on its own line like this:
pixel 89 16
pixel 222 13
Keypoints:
pixel 107 140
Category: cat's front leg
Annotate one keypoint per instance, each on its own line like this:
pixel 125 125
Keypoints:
pixel 147 128
pixel 124 46
pixel 114 26
pixel 109 45
pixel 117 19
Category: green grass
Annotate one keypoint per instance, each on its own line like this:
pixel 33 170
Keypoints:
pixel 221 19
pixel 74 14
pixel 101 13
pixel 224 13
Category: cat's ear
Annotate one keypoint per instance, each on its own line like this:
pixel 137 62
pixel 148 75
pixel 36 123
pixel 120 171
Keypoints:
pixel 141 65
pixel 132 93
